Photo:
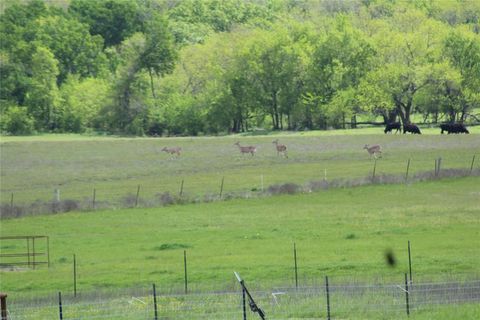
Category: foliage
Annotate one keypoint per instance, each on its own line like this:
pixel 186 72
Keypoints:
pixel 193 67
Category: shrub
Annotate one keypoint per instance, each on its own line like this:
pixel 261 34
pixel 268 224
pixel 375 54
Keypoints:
pixel 16 120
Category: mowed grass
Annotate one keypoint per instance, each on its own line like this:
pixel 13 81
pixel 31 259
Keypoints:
pixel 339 232
pixel 32 167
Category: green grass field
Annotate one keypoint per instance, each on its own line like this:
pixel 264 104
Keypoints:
pixel 32 167
pixel 343 232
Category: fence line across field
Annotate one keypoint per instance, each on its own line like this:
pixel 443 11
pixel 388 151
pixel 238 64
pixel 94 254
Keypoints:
pixel 345 299
pixel 188 190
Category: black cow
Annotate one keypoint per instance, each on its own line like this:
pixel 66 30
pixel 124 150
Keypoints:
pixel 410 127
pixel 391 126
pixel 453 128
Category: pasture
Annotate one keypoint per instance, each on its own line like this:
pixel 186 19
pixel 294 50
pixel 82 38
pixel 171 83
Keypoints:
pixel 33 167
pixel 341 232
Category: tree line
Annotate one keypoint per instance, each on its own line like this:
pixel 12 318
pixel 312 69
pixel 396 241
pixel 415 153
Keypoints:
pixel 171 67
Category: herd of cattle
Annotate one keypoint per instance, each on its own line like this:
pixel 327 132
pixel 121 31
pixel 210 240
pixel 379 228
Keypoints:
pixel 412 128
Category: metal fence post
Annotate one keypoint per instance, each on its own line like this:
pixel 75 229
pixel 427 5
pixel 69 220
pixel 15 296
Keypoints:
pixel 185 267
pixel 60 305
pixel 221 187
pixel 408 168
pixel 244 304
pixel 295 261
pixel 328 297
pixel 406 295
pixel 471 166
pixel 409 261
pixel 138 193
pixel 155 303
pixel 74 276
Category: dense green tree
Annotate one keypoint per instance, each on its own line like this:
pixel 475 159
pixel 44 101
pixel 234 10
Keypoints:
pixel 42 98
pixel 114 20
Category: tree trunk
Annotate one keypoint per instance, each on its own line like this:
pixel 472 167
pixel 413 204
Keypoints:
pixel 151 83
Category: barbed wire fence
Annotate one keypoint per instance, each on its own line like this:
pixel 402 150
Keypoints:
pixel 182 190
pixel 388 300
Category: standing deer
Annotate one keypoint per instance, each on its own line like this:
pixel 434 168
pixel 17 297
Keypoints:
pixel 373 150
pixel 246 149
pixel 281 148
pixel 172 151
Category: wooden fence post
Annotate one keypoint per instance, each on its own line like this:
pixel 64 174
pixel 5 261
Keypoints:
pixel 3 305
pixel 374 169
pixel 181 189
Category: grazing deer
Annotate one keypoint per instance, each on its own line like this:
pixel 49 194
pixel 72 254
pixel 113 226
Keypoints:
pixel 373 150
pixel 247 149
pixel 172 151
pixel 281 148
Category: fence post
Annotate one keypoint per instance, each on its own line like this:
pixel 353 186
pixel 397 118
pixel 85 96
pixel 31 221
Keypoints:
pixel 374 169
pixel 33 253
pixel 221 187
pixel 3 305
pixel 11 204
pixel 406 295
pixel 181 189
pixel 74 276
pixel 138 193
pixel 244 304
pixel 409 261
pixel 295 261
pixel 28 251
pixel 408 168
pixel 261 181
pixel 48 250
pixel 185 267
pixel 439 165
pixel 94 198
pixel 328 297
pixel 60 305
pixel 155 303
pixel 471 166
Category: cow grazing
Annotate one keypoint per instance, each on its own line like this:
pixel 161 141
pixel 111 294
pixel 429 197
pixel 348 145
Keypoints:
pixel 392 126
pixel 412 128
pixel 453 128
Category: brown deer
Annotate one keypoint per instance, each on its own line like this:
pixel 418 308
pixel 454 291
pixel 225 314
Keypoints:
pixel 246 149
pixel 373 150
pixel 281 148
pixel 172 151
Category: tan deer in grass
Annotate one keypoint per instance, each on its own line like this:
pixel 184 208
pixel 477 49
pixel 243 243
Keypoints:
pixel 281 148
pixel 246 149
pixel 172 151
pixel 373 150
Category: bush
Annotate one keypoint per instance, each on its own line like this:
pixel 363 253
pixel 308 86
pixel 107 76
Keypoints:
pixel 16 120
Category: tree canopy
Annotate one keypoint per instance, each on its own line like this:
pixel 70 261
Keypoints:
pixel 216 66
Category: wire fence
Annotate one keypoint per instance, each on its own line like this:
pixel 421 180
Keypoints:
pixel 196 189
pixel 345 300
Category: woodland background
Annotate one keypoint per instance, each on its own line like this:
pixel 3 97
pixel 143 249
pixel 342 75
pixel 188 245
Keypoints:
pixel 168 67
